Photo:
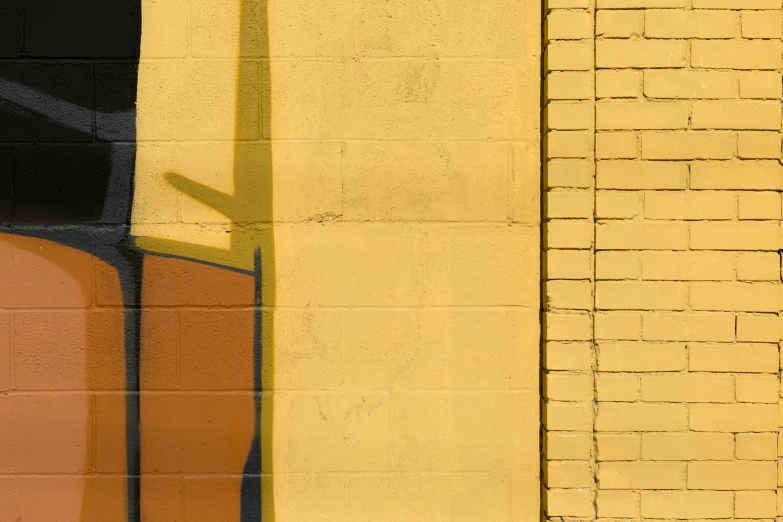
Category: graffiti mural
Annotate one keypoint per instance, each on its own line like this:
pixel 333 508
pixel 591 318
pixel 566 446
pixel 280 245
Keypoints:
pixel 130 353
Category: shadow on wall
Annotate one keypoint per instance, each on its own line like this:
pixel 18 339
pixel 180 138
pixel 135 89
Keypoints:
pixel 136 373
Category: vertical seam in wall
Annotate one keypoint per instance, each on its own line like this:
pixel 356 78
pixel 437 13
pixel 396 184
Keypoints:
pixel 593 349
pixel 778 499
pixel 542 260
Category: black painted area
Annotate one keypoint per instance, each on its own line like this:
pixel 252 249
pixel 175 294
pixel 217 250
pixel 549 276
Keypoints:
pixel 115 101
pixel 6 183
pixel 11 28
pixel 42 118
pixel 77 195
pixel 83 28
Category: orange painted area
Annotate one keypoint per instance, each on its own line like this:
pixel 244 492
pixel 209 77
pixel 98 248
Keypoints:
pixel 62 451
pixel 197 408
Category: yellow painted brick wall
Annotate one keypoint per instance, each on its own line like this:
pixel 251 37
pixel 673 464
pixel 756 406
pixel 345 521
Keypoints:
pixel 405 212
pixel 661 263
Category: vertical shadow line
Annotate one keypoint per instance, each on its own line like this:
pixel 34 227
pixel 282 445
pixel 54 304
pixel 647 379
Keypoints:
pixel 254 171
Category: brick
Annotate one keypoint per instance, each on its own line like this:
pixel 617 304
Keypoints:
pixel 711 205
pixel 11 40
pixel 687 388
pixel 732 475
pixel 568 86
pixel 559 474
pixel 568 116
pixel 758 328
pixel 641 357
pixel 5 351
pixel 690 84
pixel 688 327
pixel 757 446
pixel 568 173
pixel 641 417
pixel 733 417
pixel 689 24
pixel 755 504
pixel 736 4
pixel 617 388
pixel 687 504
pixel 567 356
pixel 640 296
pixel 687 446
pixel 617 54
pixel 618 84
pixel 641 236
pixel 567 327
pixel 373 496
pixel 618 24
pixel 742 297
pixel 740 358
pixel 736 115
pixel 760 85
pixel 409 32
pixel 568 234
pixel 344 83
pixel 759 205
pixel 616 204
pixel 758 145
pixel 621 145
pixel 616 265
pixel 735 175
pixel 568 502
pixel 641 475
pixel 567 56
pixel 372 182
pixel 734 236
pixel 569 295
pixel 689 266
pixel 620 504
pixel 567 264
pixel 568 25
pixel 681 145
pixel 636 4
pixel 165 29
pixel 761 24
pixel 638 175
pixel 561 204
pixel 758 267
pixel 567 4
pixel 561 386
pixel 567 446
pixel 617 446
pixel 758 388
pixel 617 326
pixel 732 54
pixel 641 115
pixel 568 144
pixel 179 85
pixel 483 250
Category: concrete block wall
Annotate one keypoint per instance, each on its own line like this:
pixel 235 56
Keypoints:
pixel 401 288
pixel 276 260
pixel 662 265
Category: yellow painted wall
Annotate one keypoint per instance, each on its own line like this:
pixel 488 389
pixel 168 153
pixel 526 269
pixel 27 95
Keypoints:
pixel 662 265
pixel 384 156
